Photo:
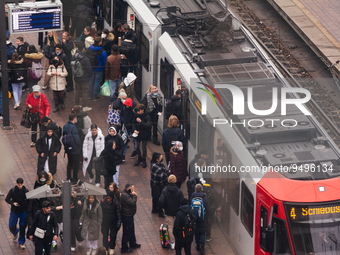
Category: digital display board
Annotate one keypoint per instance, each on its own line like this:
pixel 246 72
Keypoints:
pixel 35 17
pixel 313 212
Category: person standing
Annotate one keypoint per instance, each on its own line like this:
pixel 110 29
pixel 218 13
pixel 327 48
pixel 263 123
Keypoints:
pixel 48 147
pixel 46 223
pixel 129 209
pixel 153 102
pixel 158 180
pixel 58 73
pixel 112 68
pixel 82 81
pixel 17 73
pixel 37 103
pixel 127 116
pixel 32 56
pixel 128 85
pixel 16 197
pixel 170 201
pixel 51 40
pixel 89 36
pixel 178 163
pixel 109 155
pixel 93 146
pixel 68 46
pixel 130 50
pixel 141 126
pixel 174 106
pixel 21 46
pixel 74 153
pixel 46 122
pixel 112 220
pixel 91 220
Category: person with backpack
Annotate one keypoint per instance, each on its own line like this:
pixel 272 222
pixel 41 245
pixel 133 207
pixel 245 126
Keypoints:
pixel 72 147
pixel 58 73
pixel 47 122
pixel 67 46
pixel 83 124
pixel 16 197
pixel 170 201
pixel 82 72
pixel 184 228
pixel 48 147
pixel 51 40
pixel 178 163
pixel 97 56
pixel 22 46
pixel 201 207
pixel 33 66
pixel 17 73
pixel 130 50
pixel 170 135
pixel 174 106
pixel 38 104
pixel 112 68
pixel 93 146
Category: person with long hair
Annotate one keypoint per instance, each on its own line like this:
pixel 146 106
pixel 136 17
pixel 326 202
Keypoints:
pixel 51 40
pixel 178 163
pixel 91 220
pixel 90 34
pixel 16 69
pixel 113 187
pixel 32 56
pixel 58 73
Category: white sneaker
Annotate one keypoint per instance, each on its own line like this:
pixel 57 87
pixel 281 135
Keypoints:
pixel 86 109
pixel 73 249
pixel 32 144
pixel 16 106
pixel 172 245
pixel 89 251
pixel 94 251
pixel 90 180
pixel 22 247
pixel 97 184
pixel 1 117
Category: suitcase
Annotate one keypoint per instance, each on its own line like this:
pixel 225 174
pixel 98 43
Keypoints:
pixel 164 235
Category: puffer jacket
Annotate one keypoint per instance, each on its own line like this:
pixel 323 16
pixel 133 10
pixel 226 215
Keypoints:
pixel 49 181
pixel 66 130
pixel 178 165
pixel 17 71
pixel 99 143
pixel 40 221
pixel 109 156
pixel 170 199
pixel 128 203
pixel 29 59
pixel 57 82
pixel 101 58
pixel 111 213
pixel 119 145
pixel 91 220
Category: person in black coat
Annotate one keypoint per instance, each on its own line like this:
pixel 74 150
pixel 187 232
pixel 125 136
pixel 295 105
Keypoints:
pixel 174 106
pixel 183 236
pixel 201 224
pixel 48 146
pixel 141 126
pixel 45 122
pixel 112 220
pixel 109 155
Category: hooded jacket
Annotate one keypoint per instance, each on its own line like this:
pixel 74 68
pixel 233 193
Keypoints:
pixel 101 58
pixel 57 82
pixel 34 102
pixel 170 199
pixel 178 165
pixel 201 225
pixel 128 203
pixel 127 114
pixel 118 154
pixel 143 127
pixel 112 68
pixel 10 50
pixel 91 219
pixel 74 133
pixel 111 213
pixel 109 156
pixel 180 224
pixel 99 144
pixel 40 221
pixel 85 65
pixel 49 49
pixel 17 195
pixel 49 181
pixel 42 146
pixel 68 47
pixel 174 107
pixel 108 43
pixel 17 71
pixel 22 49
pixel 29 59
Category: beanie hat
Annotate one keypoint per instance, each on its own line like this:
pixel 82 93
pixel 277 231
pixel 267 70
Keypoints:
pixel 172 179
pixel 128 102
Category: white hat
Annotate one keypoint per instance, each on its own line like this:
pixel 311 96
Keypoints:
pixel 36 88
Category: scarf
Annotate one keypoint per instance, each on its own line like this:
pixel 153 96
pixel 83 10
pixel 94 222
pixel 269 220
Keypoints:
pixel 150 103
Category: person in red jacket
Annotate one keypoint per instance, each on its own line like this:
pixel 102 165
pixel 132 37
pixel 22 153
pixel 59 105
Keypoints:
pixel 178 163
pixel 37 102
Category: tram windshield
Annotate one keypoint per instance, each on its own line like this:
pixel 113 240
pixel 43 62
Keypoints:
pixel 315 229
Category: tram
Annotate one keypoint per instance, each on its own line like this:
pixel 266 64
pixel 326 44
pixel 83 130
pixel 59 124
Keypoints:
pixel 281 193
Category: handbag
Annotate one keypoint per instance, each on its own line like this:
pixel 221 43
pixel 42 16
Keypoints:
pixel 35 117
pixel 125 135
pixel 113 117
pixel 40 233
pixel 99 165
pixel 25 120
pixel 105 89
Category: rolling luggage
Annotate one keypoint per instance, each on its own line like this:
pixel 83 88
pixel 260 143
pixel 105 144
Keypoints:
pixel 164 235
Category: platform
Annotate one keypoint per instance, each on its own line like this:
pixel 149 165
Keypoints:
pixel 316 21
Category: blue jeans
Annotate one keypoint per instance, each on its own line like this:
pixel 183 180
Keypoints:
pixel 126 145
pixel 17 91
pixel 200 238
pixel 94 85
pixel 0 101
pixel 114 84
pixel 116 175
pixel 13 220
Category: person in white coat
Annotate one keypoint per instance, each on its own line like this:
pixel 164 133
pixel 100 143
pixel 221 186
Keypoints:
pixel 94 144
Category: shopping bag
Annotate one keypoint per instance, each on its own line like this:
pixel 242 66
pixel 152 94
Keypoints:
pixel 105 89
pixel 113 117
pixel 125 135
pixel 25 119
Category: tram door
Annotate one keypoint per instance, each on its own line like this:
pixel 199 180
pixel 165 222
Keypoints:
pixel 114 12
pixel 166 81
pixel 141 44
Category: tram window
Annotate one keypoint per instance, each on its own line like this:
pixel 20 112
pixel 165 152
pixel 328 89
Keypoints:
pixel 234 191
pixel 247 208
pixel 144 52
pixel 107 11
pixel 263 226
pixel 193 124
pixel 282 246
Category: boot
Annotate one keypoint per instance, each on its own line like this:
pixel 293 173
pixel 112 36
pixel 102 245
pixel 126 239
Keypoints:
pixel 155 141
pixel 198 247
pixel 144 163
pixel 139 160
pixel 202 249
pixel 62 104
pixel 56 108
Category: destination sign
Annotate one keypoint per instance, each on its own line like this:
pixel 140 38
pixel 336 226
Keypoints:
pixel 34 17
pixel 312 212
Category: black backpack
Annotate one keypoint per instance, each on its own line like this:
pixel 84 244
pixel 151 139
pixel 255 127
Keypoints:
pixel 69 142
pixel 189 225
pixel 129 52
pixel 92 55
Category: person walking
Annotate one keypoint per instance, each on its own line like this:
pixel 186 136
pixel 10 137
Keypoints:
pixel 91 220
pixel 112 68
pixel 44 229
pixel 38 104
pixel 158 180
pixel 94 144
pixel 141 126
pixel 16 197
pixel 170 201
pixel 32 56
pixel 81 79
pixel 109 155
pixel 48 147
pixel 21 46
pixel 17 73
pixel 153 102
pixel 112 220
pixel 129 209
pixel 47 122
pixel 178 163
pixel 58 73
pixel 74 152
pixel 51 40
pixel 127 116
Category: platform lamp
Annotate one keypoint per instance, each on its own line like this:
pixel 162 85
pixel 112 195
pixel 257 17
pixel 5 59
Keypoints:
pixel 85 189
